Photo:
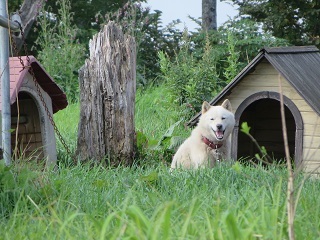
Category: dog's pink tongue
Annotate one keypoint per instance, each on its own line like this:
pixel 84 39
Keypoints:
pixel 219 134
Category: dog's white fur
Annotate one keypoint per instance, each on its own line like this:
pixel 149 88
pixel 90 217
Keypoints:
pixel 194 152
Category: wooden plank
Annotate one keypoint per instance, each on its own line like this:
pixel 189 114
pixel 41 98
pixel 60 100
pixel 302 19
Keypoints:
pixel 259 80
pixel 265 68
pixel 311 130
pixel 311 142
pixel 235 102
pixel 265 80
pixel 302 105
pixel 310 117
pixel 311 154
pixel 312 167
pixel 243 92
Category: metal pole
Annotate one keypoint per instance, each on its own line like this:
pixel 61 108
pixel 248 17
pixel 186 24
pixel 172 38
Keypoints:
pixel 14 26
pixel 5 87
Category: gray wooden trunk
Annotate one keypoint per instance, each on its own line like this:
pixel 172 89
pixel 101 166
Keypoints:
pixel 107 99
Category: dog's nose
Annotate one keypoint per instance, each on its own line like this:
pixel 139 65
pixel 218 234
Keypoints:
pixel 219 126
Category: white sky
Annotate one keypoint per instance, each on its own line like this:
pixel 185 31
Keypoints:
pixel 180 9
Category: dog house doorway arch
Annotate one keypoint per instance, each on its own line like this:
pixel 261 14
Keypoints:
pixel 38 132
pixel 267 95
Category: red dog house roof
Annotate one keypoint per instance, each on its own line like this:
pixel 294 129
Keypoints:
pixel 18 73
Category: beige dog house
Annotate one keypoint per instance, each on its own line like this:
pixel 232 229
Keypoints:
pixel 33 136
pixel 254 95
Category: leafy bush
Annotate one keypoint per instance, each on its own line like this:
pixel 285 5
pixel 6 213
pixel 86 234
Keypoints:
pixel 158 123
pixel 250 38
pixel 150 37
pixel 60 53
pixel 191 81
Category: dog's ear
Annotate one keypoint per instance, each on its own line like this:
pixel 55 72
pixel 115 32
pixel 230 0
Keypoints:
pixel 205 107
pixel 227 105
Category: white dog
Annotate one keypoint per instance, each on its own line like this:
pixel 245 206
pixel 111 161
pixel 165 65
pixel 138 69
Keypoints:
pixel 209 141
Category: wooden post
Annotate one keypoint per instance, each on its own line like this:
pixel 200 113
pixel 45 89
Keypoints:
pixel 107 99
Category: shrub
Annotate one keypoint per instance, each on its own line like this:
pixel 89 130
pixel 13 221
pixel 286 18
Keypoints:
pixel 191 81
pixel 150 37
pixel 60 53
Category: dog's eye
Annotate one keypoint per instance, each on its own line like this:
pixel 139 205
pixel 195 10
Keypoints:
pixel 212 119
pixel 223 118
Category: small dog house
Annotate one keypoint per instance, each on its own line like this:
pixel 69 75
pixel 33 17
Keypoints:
pixel 34 136
pixel 255 98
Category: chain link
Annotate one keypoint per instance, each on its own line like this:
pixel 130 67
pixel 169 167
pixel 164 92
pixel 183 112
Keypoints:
pixel 50 117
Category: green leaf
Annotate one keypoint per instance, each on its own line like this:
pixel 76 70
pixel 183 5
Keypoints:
pixel 232 226
pixel 263 150
pixel 99 183
pixel 237 167
pixel 176 141
pixel 142 222
pixel 170 130
pixel 168 133
pixel 245 128
pixel 152 177
pixel 257 156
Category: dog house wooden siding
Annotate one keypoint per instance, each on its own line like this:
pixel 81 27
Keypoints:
pixel 298 69
pixel 35 136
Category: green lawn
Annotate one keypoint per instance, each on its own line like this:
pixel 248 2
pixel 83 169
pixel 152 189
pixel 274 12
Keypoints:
pixel 146 201
pixel 151 203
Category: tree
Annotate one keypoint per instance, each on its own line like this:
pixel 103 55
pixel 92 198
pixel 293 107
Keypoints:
pixel 88 15
pixel 209 15
pixel 294 20
pixel 28 12
pixel 56 44
pixel 108 84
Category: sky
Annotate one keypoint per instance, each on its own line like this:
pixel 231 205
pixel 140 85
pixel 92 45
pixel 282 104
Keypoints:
pixel 180 9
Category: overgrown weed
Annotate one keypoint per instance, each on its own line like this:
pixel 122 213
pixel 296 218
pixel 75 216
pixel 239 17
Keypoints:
pixel 152 203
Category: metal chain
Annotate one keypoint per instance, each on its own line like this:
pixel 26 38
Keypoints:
pixel 39 90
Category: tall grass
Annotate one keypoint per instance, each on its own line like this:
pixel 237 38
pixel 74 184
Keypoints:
pixel 147 201
pixel 59 50
pixel 67 123
pixel 151 203
pixel 155 112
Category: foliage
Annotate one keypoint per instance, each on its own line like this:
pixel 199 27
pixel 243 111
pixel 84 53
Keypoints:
pixel 263 157
pixel 296 21
pixel 61 54
pixel 85 202
pixel 136 20
pixel 242 38
pixel 67 122
pixel 150 37
pixel 191 81
pixel 143 202
pixel 159 123
pixel 233 59
pixel 207 61
pixel 14 5
pixel 88 15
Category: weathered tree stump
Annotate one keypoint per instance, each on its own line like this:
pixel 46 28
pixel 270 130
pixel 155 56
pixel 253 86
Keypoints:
pixel 107 99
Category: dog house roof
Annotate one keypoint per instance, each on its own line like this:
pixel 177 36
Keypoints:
pixel 300 66
pixel 18 73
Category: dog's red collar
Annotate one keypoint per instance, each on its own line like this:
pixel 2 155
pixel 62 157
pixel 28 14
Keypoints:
pixel 211 144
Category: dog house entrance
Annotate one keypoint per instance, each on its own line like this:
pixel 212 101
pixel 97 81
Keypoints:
pixel 264 118
pixel 26 140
